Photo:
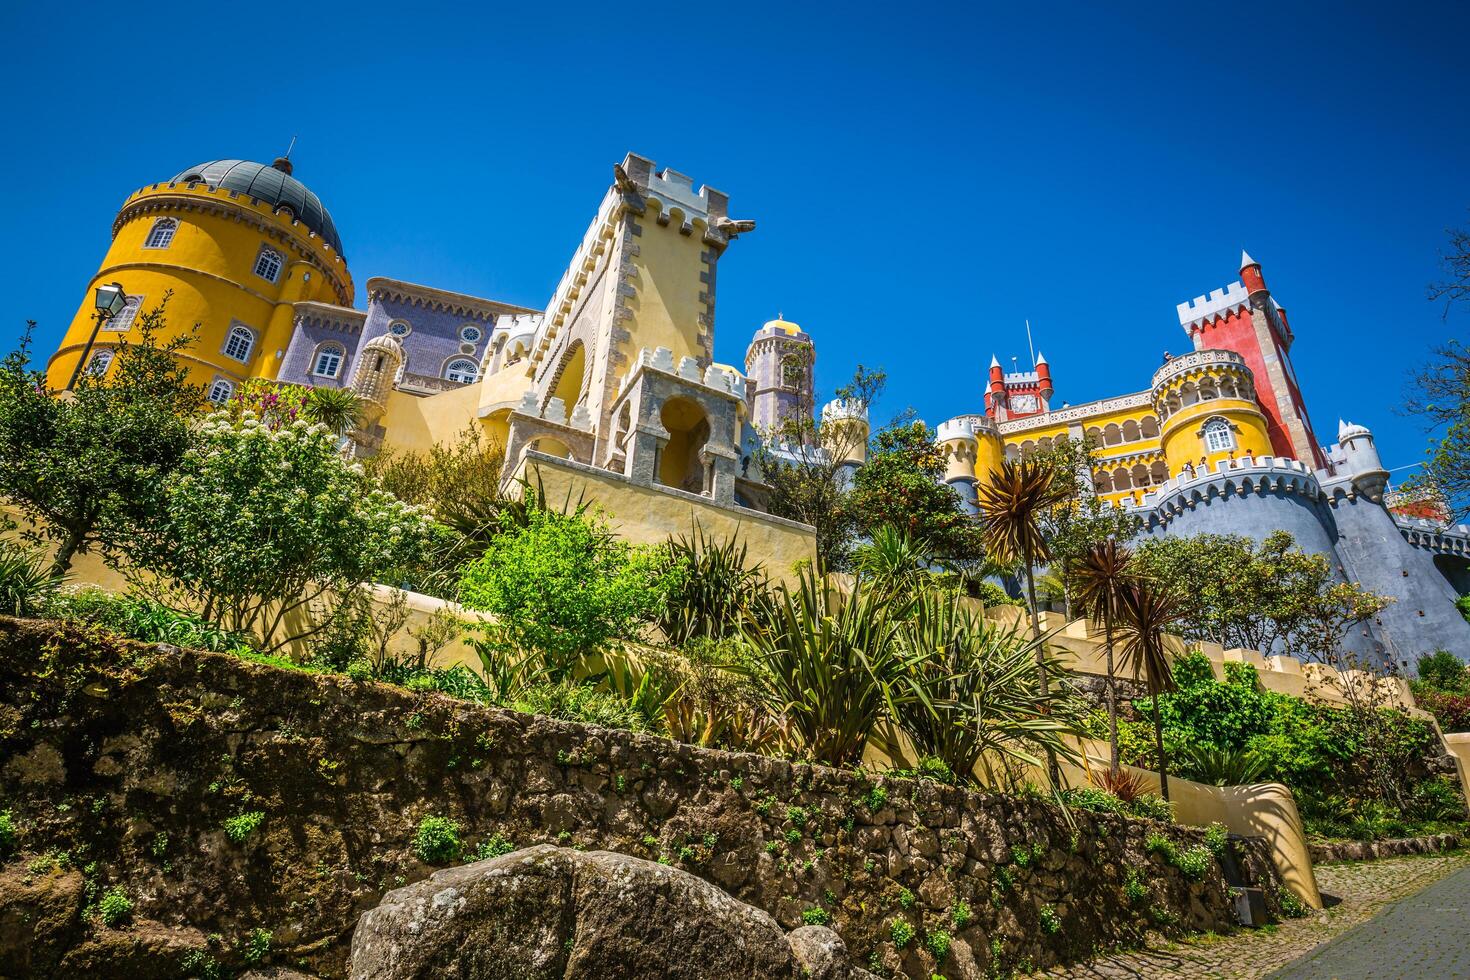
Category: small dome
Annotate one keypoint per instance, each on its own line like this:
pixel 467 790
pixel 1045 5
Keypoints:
pixel 784 326
pixel 272 184
pixel 1350 430
pixel 386 344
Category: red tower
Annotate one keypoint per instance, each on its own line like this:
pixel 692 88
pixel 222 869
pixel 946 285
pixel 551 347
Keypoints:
pixel 1017 394
pixel 1244 318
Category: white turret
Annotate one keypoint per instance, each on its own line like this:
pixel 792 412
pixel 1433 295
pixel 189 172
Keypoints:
pixel 1356 456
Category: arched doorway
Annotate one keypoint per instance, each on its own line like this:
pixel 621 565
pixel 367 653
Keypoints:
pixel 688 426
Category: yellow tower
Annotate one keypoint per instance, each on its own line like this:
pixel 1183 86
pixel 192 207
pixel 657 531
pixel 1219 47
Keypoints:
pixel 1206 403
pixel 237 243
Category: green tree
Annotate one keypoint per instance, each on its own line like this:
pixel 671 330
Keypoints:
pixel 85 467
pixel 1101 576
pixel 1262 597
pixel 1440 394
pixel 1148 613
pixel 801 460
pixel 265 532
pixel 902 484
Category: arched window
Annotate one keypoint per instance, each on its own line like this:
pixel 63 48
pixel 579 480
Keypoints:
pixel 220 391
pixel 1218 437
pixel 161 235
pixel 239 343
pixel 125 318
pixel 99 363
pixel 461 369
pixel 328 361
pixel 268 264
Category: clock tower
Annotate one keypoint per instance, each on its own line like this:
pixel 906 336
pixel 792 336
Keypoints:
pixel 1017 394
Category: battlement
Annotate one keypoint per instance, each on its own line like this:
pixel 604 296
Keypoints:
pixel 1022 378
pixel 675 190
pixel 1229 477
pixel 956 429
pixel 1196 361
pixel 838 409
pixel 1207 309
pixel 725 380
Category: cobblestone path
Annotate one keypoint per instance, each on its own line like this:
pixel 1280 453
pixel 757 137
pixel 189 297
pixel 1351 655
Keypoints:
pixel 1364 888
pixel 1421 936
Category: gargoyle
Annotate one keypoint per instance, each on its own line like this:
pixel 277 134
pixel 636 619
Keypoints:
pixel 732 227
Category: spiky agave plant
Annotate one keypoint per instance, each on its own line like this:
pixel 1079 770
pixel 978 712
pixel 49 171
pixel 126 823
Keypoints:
pixel 981 695
pixel 828 663
pixel 894 560
pixel 1012 502
pixel 710 586
pixel 1146 613
pixel 1100 576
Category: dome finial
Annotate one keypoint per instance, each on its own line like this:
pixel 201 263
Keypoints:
pixel 283 162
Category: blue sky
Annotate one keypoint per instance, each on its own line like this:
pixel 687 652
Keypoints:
pixel 925 177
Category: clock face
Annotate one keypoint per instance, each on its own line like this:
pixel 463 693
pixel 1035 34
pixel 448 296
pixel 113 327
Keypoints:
pixel 1024 403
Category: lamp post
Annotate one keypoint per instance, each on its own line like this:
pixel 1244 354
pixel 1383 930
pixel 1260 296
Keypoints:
pixel 111 300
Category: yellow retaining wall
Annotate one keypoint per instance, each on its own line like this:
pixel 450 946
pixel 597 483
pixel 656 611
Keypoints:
pixel 650 514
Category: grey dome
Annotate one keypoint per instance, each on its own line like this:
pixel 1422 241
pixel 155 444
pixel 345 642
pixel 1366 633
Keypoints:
pixel 271 184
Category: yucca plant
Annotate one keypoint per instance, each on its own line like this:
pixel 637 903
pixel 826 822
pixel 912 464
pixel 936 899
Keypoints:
pixel 1099 578
pixel 1146 613
pixel 894 560
pixel 976 693
pixel 27 580
pixel 829 664
pixel 710 587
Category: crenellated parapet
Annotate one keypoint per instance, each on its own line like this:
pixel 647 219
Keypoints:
pixel 1442 539
pixel 1220 303
pixel 1229 479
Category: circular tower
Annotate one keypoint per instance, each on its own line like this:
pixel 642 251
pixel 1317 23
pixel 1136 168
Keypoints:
pixel 779 360
pixel 236 244
pixel 1206 403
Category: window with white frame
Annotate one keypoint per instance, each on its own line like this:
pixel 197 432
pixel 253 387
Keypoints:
pixel 470 334
pixel 462 370
pixel 239 343
pixel 221 390
pixel 268 264
pixel 328 361
pixel 100 362
pixel 125 318
pixel 161 235
pixel 1218 437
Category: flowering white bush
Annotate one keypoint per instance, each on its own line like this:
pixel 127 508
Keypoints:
pixel 262 528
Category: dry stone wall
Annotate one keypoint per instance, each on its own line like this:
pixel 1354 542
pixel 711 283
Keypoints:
pixel 129 767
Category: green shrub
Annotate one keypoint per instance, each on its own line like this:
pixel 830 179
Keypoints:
pixel 8 832
pixel 561 585
pixel 1291 906
pixel 901 932
pixel 938 942
pixel 1150 806
pixel 816 917
pixel 1162 846
pixel 1134 889
pixel 360 670
pixel 143 619
pixel 710 587
pixel 499 844
pixel 242 825
pixel 115 907
pixel 1051 923
pixel 906 898
pixel 960 914
pixel 1217 839
pixel 1444 671
pixel 436 841
pixel 1195 863
pixel 876 798
pixel 1092 798
pixel 257 945
pixel 585 703
pixel 1436 799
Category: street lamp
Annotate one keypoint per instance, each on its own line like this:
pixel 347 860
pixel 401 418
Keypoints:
pixel 111 300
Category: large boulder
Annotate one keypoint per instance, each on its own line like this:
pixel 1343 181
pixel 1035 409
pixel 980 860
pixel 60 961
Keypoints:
pixel 553 912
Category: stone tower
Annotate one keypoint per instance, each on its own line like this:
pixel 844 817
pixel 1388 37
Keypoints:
pixel 780 360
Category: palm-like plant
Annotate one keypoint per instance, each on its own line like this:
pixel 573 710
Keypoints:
pixel 1011 505
pixel 710 586
pixel 1146 612
pixel 1100 577
pixel 828 663
pixel 339 409
pixel 894 560
pixel 981 696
